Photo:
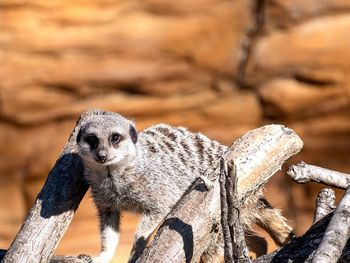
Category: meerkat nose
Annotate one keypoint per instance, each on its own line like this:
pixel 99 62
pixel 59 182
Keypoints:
pixel 102 156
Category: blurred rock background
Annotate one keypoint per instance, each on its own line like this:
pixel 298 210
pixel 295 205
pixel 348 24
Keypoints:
pixel 216 66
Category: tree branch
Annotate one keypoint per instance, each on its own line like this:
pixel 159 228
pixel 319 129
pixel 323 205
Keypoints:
pixel 337 233
pixel 328 238
pixel 325 203
pixel 304 173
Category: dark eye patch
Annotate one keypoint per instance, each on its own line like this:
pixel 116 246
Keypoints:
pixel 116 137
pixel 92 140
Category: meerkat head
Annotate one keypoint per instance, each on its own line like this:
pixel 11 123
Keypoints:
pixel 107 140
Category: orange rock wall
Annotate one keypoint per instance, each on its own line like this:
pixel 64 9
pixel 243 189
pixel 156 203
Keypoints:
pixel 215 66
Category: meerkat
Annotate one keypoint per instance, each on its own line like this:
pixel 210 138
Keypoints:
pixel 147 173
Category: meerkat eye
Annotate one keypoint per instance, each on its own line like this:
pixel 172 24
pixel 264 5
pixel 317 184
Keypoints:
pixel 116 137
pixel 92 140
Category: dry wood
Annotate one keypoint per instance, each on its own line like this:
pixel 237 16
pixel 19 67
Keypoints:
pixel 337 233
pixel 54 207
pixel 328 238
pixel 224 213
pixel 325 203
pixel 304 173
pixel 189 228
pixel 60 259
pixel 235 246
pixel 70 259
pixel 302 249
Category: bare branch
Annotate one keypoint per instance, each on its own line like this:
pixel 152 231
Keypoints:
pixel 325 203
pixel 337 233
pixel 328 238
pixel 304 173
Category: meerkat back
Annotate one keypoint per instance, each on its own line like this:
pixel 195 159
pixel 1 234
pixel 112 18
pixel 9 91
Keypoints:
pixel 173 157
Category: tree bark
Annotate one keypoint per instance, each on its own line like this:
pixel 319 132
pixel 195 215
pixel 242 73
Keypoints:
pixel 60 259
pixel 191 226
pixel 228 256
pixel 54 207
pixel 235 246
pixel 304 173
pixel 325 203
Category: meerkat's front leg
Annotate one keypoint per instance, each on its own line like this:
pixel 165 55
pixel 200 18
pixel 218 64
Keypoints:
pixel 147 225
pixel 109 231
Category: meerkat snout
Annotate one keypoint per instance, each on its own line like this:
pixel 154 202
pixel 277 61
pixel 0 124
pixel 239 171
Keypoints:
pixel 102 155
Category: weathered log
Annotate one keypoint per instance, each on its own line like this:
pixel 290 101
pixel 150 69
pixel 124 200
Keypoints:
pixel 54 207
pixel 304 173
pixel 189 228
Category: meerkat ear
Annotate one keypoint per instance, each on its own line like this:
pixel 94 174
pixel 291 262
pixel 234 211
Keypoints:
pixel 133 134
